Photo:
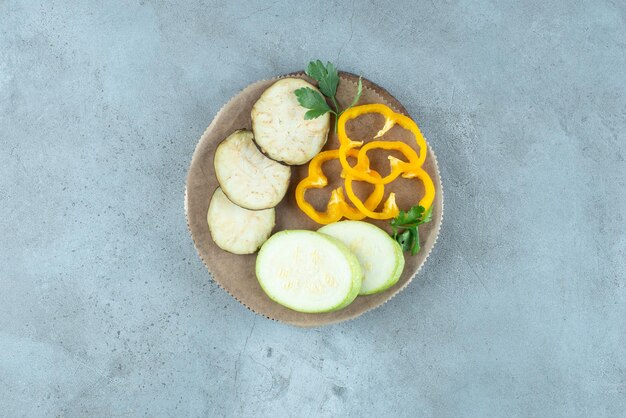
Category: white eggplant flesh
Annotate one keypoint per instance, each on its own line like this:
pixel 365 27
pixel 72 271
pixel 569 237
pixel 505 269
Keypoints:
pixel 235 229
pixel 246 176
pixel 280 128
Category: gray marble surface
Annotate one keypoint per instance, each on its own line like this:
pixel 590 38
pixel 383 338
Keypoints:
pixel 106 310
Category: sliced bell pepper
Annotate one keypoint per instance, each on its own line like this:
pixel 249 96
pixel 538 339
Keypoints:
pixel 390 208
pixel 408 171
pixel 337 206
pixel 397 167
pixel 391 118
pixel 429 188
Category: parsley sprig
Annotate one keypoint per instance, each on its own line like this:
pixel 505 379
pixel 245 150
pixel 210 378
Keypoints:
pixel 405 227
pixel 327 79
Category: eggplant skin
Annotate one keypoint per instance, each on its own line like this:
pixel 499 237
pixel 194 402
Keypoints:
pixel 246 176
pixel 235 229
pixel 280 128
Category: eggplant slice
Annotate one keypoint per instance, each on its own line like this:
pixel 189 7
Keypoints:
pixel 246 176
pixel 280 128
pixel 235 229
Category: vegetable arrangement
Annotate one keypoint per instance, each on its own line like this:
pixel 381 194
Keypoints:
pixel 326 270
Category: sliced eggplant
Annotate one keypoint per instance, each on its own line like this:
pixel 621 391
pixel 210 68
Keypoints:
pixel 280 128
pixel 308 272
pixel 235 229
pixel 380 256
pixel 246 176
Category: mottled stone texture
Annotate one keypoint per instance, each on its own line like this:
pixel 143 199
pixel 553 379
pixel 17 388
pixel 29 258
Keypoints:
pixel 105 309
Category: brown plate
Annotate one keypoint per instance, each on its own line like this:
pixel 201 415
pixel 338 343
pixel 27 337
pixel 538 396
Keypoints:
pixel 236 273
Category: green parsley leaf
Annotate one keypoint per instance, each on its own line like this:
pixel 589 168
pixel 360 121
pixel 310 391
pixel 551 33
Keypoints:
pixel 327 78
pixel 427 216
pixel 414 214
pixel 328 86
pixel 313 100
pixel 316 70
pixel 405 227
pixel 415 248
pixel 315 113
pixel 405 240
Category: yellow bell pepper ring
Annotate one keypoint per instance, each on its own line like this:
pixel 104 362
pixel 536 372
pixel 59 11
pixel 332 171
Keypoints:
pixel 371 202
pixel 429 187
pixel 397 167
pixel 390 208
pixel 337 206
pixel 391 118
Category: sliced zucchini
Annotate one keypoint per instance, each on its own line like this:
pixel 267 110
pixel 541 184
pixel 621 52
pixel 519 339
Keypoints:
pixel 280 128
pixel 235 229
pixel 308 272
pixel 380 256
pixel 246 176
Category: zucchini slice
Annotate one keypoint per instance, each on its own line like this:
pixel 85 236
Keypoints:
pixel 308 272
pixel 235 229
pixel 280 128
pixel 380 256
pixel 246 176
